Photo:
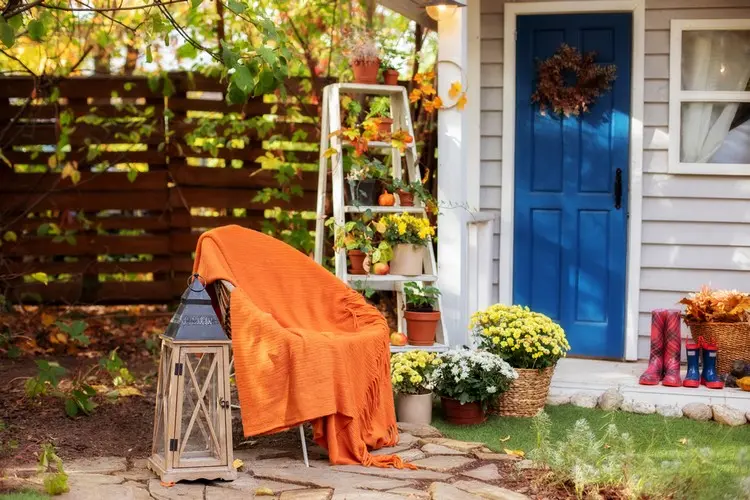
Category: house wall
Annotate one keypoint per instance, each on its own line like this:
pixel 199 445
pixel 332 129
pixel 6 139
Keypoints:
pixel 696 229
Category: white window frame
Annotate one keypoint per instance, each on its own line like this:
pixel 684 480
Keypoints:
pixel 677 96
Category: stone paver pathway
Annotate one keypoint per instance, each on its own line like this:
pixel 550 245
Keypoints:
pixel 448 470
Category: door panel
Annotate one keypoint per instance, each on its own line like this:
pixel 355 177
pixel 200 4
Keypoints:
pixel 569 239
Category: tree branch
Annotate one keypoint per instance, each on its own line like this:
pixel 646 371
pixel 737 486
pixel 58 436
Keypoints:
pixel 110 9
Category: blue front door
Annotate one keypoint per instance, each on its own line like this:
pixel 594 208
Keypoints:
pixel 569 234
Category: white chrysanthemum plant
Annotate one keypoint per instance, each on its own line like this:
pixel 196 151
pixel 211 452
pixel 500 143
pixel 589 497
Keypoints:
pixel 472 376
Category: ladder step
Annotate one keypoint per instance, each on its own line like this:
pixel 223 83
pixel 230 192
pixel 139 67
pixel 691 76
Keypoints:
pixel 387 278
pixel 363 88
pixel 382 210
pixel 430 348
pixel 380 144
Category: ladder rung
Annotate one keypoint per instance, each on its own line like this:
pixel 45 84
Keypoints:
pixel 363 88
pixel 382 210
pixel 430 348
pixel 387 278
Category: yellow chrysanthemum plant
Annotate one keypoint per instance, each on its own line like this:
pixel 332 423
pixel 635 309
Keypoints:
pixel 407 235
pixel 412 371
pixel 524 338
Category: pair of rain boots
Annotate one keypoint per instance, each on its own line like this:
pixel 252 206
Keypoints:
pixel 664 361
pixel 709 377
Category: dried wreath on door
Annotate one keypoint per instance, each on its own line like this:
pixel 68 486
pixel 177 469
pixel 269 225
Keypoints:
pixel 591 81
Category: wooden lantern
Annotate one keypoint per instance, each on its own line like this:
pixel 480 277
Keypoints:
pixel 192 424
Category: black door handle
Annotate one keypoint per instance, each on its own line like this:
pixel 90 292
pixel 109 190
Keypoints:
pixel 618 188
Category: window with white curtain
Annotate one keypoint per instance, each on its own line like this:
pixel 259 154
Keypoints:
pixel 709 97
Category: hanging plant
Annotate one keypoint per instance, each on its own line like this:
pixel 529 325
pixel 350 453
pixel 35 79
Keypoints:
pixel 591 81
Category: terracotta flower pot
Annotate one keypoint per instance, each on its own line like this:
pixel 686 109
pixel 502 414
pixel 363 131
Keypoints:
pixel 390 77
pixel 366 72
pixel 421 327
pixel 405 199
pixel 414 408
pixel 462 414
pixel 384 127
pixel 357 258
pixel 407 259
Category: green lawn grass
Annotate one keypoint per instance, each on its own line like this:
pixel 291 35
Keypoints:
pixel 654 436
pixel 24 495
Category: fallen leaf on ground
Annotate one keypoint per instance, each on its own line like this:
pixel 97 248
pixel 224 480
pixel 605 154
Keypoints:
pixel 237 464
pixel 129 391
pixel 264 492
pixel 515 453
pixel 683 441
pixel 47 319
pixel 506 438
pixel 167 484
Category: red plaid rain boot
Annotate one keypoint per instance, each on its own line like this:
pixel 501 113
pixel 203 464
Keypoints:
pixel 672 348
pixel 655 370
pixel 710 377
pixel 693 375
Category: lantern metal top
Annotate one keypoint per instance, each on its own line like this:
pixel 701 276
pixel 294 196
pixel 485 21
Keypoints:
pixel 195 319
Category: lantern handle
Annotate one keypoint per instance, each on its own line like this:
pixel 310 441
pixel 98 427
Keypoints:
pixel 200 279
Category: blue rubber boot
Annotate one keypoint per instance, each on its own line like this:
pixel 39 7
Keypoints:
pixel 693 375
pixel 710 377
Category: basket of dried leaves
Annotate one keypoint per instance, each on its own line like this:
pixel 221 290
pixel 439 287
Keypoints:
pixel 721 317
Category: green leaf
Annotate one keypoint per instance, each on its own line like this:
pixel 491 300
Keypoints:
pixel 132 174
pixel 236 6
pixel 235 95
pixel 187 51
pixel 266 83
pixel 10 236
pixel 71 408
pixel 7 34
pixel 195 3
pixel 16 22
pixel 36 29
pixel 229 56
pixel 267 54
pixel 149 55
pixel 243 78
pixel 41 277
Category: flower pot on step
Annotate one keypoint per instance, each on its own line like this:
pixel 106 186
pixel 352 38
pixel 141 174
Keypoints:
pixel 527 394
pixel 405 199
pixel 363 192
pixel 390 77
pixel 414 408
pixel 462 414
pixel 407 259
pixel 366 72
pixel 357 258
pixel 384 127
pixel 421 327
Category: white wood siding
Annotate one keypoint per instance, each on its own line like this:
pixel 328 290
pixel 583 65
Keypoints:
pixel 696 229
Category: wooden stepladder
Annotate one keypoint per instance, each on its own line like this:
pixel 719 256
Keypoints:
pixel 331 122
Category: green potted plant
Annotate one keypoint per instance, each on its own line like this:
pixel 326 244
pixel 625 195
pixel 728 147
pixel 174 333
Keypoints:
pixel 408 236
pixel 421 313
pixel 380 110
pixel 364 58
pixel 411 377
pixel 531 343
pixel 358 239
pixel 406 192
pixel 364 177
pixel 388 67
pixel 467 380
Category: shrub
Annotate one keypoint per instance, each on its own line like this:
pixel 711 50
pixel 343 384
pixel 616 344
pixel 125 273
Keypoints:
pixel 412 371
pixel 524 338
pixel 420 298
pixel 472 376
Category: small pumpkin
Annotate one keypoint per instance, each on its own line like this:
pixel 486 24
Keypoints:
pixel 744 383
pixel 386 199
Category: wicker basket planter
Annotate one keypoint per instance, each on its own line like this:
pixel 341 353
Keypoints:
pixel 732 341
pixel 527 394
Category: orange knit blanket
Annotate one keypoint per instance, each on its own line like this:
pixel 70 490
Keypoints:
pixel 307 348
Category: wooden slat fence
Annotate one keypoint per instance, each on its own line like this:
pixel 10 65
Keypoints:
pixel 133 239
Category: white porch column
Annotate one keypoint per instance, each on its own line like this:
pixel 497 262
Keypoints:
pixel 458 165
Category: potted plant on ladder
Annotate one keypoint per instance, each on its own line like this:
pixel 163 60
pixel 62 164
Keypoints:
pixel 364 179
pixel 364 58
pixel 408 236
pixel 354 238
pixel 411 377
pixel 421 315
pixel 380 113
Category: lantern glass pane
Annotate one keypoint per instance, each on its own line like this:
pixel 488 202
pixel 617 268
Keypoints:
pixel 162 400
pixel 200 411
